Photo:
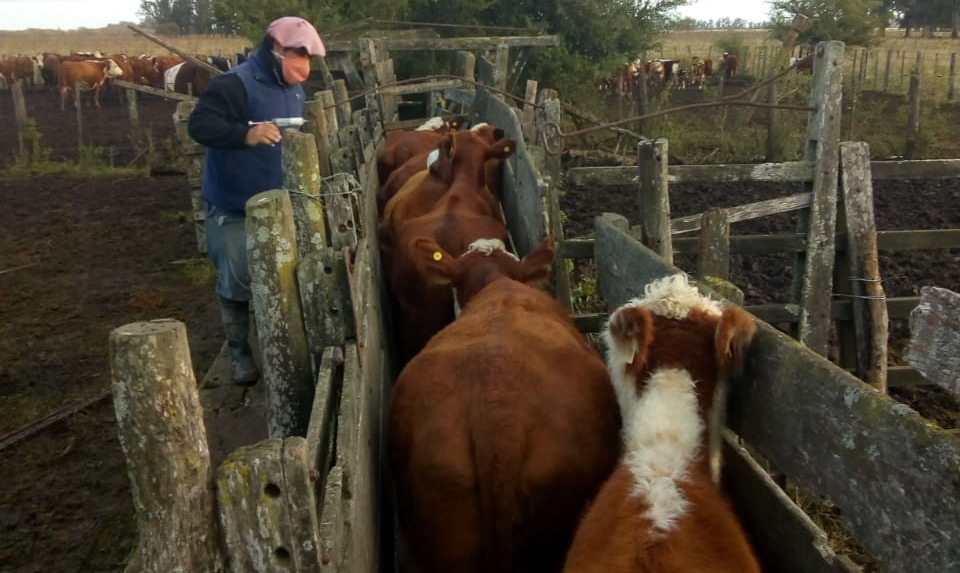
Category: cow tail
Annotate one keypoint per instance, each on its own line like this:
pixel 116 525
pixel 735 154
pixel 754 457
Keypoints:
pixel 499 462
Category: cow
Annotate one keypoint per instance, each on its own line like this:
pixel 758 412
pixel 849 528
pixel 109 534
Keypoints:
pixel 401 145
pixel 191 78
pixel 467 211
pixel 656 73
pixel 50 69
pixel 501 430
pixel 728 63
pixel 701 69
pixel 18 68
pixel 86 75
pixel 802 64
pixel 145 71
pixel 628 78
pixel 670 355
pixel 400 175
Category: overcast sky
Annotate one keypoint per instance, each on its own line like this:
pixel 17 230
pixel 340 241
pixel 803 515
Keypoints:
pixel 70 14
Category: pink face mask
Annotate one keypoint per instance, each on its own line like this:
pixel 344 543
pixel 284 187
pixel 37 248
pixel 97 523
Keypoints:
pixel 296 69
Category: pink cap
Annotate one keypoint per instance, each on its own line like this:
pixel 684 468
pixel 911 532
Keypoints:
pixel 294 32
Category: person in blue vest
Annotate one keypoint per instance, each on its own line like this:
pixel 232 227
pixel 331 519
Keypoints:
pixel 243 159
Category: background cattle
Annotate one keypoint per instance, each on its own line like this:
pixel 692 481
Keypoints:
pixel 86 75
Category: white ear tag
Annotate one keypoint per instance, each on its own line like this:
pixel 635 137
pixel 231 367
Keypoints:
pixel 633 350
pixel 432 158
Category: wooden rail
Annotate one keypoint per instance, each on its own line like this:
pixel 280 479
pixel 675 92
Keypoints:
pixel 447 44
pixel 787 172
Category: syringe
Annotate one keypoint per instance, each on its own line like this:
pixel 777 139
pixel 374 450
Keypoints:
pixel 281 121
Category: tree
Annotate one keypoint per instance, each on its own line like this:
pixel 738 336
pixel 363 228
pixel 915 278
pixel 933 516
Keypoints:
pixel 849 21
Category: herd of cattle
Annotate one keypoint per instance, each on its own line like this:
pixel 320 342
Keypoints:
pixel 513 445
pixel 660 73
pixel 93 71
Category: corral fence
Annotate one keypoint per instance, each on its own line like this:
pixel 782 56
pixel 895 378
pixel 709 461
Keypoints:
pixel 313 496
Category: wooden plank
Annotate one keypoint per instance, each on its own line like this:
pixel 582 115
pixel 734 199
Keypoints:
pixel 898 241
pixel 423 87
pixel 828 432
pixel 154 91
pixel 653 196
pixel 869 304
pixel 301 178
pixel 788 172
pixel 321 431
pixel 906 377
pixel 325 292
pixel 447 44
pixel 268 508
pixel 784 537
pixel 934 348
pixel 340 211
pixel 746 212
pixel 332 525
pixel 813 270
pixel 917 169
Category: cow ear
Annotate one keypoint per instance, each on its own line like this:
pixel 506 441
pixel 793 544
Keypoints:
pixel 501 149
pixel 442 166
pixel 433 263
pixel 498 133
pixel 628 335
pixel 535 268
pixel 732 339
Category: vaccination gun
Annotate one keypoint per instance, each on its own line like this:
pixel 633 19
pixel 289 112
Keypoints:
pixel 281 121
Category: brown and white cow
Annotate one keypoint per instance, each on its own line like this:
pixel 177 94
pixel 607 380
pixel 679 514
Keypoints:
pixel 501 430
pixel 669 355
pixel 87 75
pixel 729 63
pixel 401 145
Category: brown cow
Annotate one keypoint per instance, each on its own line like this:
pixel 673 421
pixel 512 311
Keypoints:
pixel 662 511
pixel 401 145
pixel 501 430
pixel 728 63
pixel 88 75
pixel 465 213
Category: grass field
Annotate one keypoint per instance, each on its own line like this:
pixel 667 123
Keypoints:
pixel 112 40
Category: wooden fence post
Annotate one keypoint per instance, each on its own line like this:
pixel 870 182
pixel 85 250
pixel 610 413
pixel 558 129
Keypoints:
pixel 813 269
pixel 911 147
pixel 528 116
pixel 714 252
pixel 79 110
pixel 161 429
pixel 654 198
pixel 19 113
pixel 301 177
pixel 341 98
pixel 869 301
pixel 272 253
pixel 316 124
pixel 886 71
pixel 952 79
pixel 194 155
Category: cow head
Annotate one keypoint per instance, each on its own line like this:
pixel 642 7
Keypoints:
pixel 463 153
pixel 111 69
pixel 483 262
pixel 675 327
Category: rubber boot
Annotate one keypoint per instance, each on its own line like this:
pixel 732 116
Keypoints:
pixel 236 324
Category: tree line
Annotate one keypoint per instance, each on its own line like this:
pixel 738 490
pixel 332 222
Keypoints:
pixel 597 35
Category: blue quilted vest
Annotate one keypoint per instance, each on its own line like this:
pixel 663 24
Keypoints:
pixel 231 176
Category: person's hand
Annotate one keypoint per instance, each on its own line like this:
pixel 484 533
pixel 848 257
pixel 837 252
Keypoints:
pixel 263 134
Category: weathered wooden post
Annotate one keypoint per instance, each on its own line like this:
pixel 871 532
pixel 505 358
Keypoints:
pixel 79 111
pixel 713 261
pixel 911 147
pixel 501 67
pixel 19 112
pixel 315 123
pixel 342 100
pixel 886 71
pixel 952 79
pixel 134 115
pixel 160 423
pixel 528 116
pixel 193 154
pixel 813 269
pixel 869 301
pixel 654 198
pixel 272 252
pixel 301 177
pixel 934 348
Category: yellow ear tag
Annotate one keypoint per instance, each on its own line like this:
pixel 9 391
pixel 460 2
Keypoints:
pixel 437 256
pixel 506 149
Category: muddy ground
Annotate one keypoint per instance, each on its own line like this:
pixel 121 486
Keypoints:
pixel 79 257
